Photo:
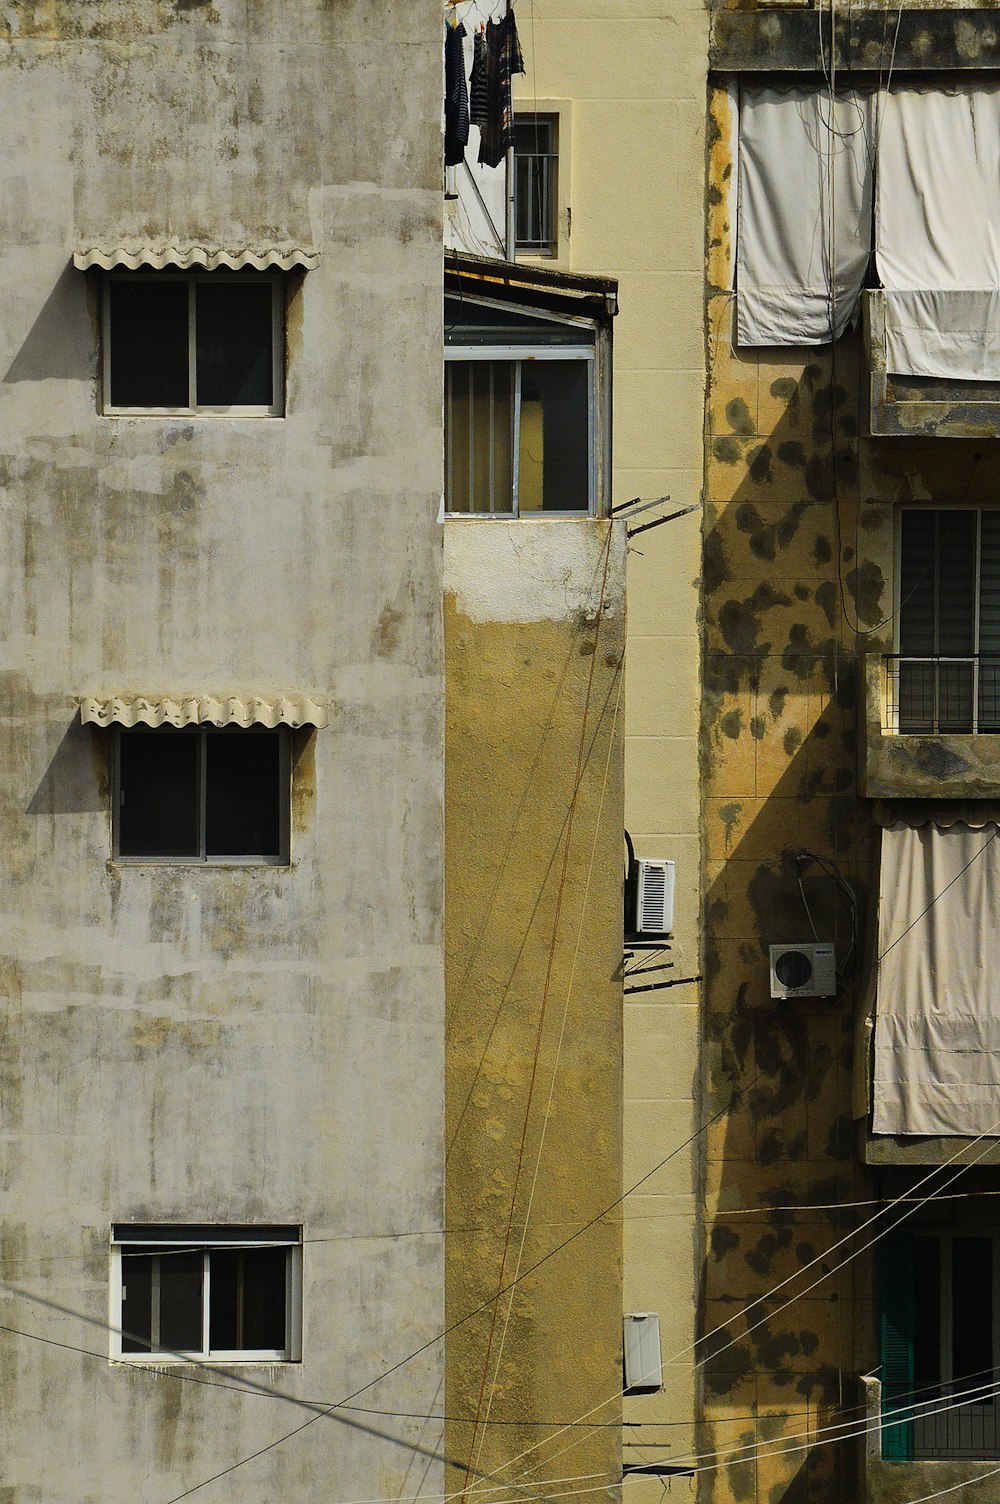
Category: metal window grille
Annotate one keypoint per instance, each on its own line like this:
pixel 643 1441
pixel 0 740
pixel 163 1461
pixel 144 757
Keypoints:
pixel 535 179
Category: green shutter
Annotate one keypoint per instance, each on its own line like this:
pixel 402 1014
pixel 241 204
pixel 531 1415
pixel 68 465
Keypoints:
pixel 895 1302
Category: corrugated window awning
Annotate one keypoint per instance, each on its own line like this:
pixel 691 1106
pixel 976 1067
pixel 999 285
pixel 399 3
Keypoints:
pixel 202 710
pixel 131 255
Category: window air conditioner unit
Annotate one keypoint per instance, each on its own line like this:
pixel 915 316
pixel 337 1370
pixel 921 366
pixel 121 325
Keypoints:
pixel 808 970
pixel 651 910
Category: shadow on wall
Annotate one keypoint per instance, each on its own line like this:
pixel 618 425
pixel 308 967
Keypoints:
pixel 72 783
pixel 779 745
pixel 60 343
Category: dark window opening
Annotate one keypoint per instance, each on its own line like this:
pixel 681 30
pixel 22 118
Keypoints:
pixel 231 1297
pixel 536 162
pixel 202 794
pixel 947 672
pixel 192 343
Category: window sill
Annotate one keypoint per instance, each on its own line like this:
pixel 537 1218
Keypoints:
pixel 166 413
pixel 196 863
pixel 198 1360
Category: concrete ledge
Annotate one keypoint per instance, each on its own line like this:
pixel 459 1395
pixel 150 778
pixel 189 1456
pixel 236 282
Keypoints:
pixel 769 40
pixel 910 407
pixel 919 767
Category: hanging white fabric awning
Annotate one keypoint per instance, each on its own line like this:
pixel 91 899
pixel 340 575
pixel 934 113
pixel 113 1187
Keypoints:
pixel 130 255
pixel 202 710
pixel 938 229
pixel 937 1009
pixel 805 207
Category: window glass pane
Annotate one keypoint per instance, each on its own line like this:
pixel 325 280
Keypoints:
pixel 181 1276
pixel 158 793
pixel 234 344
pixel 137 1302
pixel 534 184
pixel 972 1310
pixel 479 425
pixel 148 333
pixel 554 472
pixel 242 797
pixel 248 1300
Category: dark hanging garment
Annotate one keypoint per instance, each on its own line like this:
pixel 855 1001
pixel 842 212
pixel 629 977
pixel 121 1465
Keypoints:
pixel 503 60
pixel 456 97
pixel 479 99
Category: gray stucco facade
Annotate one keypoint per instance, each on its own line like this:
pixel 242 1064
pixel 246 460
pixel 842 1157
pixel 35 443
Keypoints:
pixel 237 1044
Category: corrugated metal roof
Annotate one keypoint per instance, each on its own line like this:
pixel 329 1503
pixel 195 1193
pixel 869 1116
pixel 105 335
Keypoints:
pixel 133 254
pixel 202 710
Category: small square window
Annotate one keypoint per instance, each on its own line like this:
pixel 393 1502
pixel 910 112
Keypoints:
pixel 202 794
pixel 184 1291
pixel 209 343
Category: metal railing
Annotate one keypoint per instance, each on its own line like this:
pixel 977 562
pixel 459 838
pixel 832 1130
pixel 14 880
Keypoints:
pixel 944 1430
pixel 942 695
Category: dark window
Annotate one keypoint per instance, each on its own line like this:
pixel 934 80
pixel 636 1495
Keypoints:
pixel 202 794
pixel 518 436
pixel 948 669
pixel 207 1291
pixel 535 185
pixel 192 343
pixel 939 1313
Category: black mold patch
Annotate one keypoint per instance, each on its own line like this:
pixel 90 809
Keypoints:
pixel 714 570
pixel 792 740
pixel 789 524
pixel 791 452
pixel 826 596
pixel 776 701
pixel 757 728
pixel 819 478
pixel 723 1240
pixel 822 552
pixel 731 724
pixel 739 418
pixel 866 584
pixel 802 593
pixel 760 465
pixel 726 450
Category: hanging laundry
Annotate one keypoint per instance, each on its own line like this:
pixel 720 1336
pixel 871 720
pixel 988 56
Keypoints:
pixel 503 60
pixel 479 99
pixel 456 97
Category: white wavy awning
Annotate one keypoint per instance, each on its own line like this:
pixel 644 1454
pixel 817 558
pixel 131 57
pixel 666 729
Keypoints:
pixel 133 254
pixel 202 710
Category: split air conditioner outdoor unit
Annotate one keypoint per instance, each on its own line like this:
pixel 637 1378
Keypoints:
pixel 650 909
pixel 808 970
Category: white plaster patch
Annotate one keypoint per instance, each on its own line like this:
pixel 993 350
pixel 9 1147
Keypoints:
pixel 533 570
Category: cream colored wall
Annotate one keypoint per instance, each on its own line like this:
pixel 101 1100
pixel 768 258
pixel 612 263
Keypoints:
pixel 634 72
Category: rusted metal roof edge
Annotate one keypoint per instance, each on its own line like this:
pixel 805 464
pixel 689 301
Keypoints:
pixel 799 41
pixel 525 282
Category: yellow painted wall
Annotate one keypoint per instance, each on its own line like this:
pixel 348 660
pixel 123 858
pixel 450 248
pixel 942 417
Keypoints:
pixel 534 634
pixel 634 73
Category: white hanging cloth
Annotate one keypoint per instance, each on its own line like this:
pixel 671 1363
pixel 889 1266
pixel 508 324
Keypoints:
pixel 938 229
pixel 937 1010
pixel 804 212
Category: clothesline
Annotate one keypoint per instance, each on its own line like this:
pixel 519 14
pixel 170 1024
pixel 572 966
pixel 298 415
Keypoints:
pixel 485 98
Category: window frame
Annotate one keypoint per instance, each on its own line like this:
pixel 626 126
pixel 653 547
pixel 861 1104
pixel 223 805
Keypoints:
pixel 248 859
pixel 592 349
pixel 560 112
pixel 936 658
pixel 192 1239
pixel 545 248
pixel 276 409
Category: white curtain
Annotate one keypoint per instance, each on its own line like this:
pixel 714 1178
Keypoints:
pixel 804 213
pixel 938 229
pixel 937 1011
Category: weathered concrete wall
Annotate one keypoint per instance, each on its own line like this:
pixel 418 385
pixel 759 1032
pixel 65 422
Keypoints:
pixel 798 587
pixel 635 77
pixel 245 1044
pixel 534 631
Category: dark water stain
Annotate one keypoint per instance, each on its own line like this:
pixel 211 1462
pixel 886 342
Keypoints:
pixel 792 453
pixel 792 740
pixel 822 552
pixel 723 1240
pixel 866 584
pixel 714 570
pixel 757 728
pixel 739 418
pixel 826 597
pixel 802 593
pixel 759 467
pixel 731 724
pixel 726 450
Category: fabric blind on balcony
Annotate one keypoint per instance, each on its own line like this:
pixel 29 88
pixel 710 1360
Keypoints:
pixel 937 1010
pixel 937 211
pixel 805 206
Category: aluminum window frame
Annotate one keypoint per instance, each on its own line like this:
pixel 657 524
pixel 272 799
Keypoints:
pixel 167 1235
pixel 276 409
pixel 545 247
pixel 248 859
